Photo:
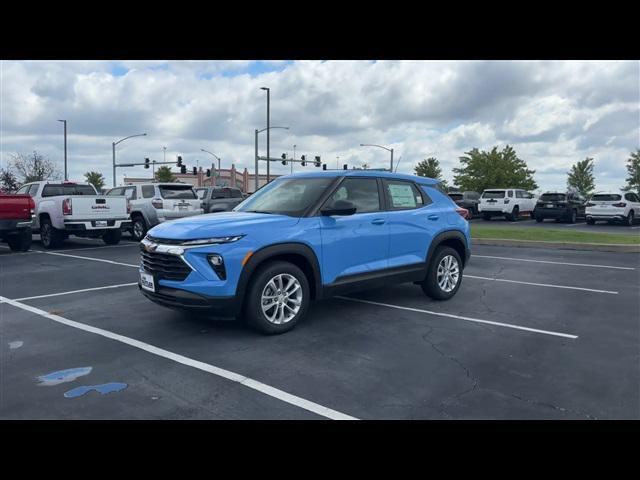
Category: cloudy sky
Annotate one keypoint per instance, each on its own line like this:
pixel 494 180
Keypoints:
pixel 553 113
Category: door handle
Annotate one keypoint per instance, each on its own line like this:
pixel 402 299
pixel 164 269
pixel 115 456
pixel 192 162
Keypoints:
pixel 433 217
pixel 378 221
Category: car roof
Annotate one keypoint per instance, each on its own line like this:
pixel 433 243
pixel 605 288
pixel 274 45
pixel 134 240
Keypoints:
pixel 364 173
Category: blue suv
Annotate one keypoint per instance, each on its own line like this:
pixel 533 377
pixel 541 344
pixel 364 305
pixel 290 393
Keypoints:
pixel 304 237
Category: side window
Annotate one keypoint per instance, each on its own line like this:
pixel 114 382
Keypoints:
pixel 519 194
pixel 403 195
pixel 200 192
pixel 115 192
pixel 130 193
pixel 33 191
pixel 510 193
pixel 632 197
pixel 362 192
pixel 148 191
pixel 23 190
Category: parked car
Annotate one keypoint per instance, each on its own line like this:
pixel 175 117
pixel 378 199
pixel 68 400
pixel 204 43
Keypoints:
pixel 613 207
pixel 567 206
pixel 219 199
pixel 511 203
pixel 468 200
pixel 16 216
pixel 70 208
pixel 308 236
pixel 154 203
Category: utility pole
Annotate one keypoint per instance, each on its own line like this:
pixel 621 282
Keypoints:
pixel 268 130
pixel 66 177
pixel 113 146
pixel 294 157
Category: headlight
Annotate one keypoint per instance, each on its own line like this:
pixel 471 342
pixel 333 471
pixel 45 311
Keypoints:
pixel 213 240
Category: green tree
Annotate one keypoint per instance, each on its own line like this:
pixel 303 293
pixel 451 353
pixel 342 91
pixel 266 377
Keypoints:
pixel 164 174
pixel 430 168
pixel 95 178
pixel 581 177
pixel 480 170
pixel 633 169
pixel 8 181
pixel 33 168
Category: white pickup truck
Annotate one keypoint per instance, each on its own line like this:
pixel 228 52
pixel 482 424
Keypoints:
pixel 69 208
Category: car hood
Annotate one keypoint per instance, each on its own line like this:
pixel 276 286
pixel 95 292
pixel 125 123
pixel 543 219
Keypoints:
pixel 218 224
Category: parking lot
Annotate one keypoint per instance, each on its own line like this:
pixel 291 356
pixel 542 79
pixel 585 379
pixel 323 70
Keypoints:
pixel 579 226
pixel 532 334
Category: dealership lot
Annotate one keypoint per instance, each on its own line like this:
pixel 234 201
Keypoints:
pixel 532 334
pixel 580 225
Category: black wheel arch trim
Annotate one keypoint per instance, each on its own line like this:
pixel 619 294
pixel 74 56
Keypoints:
pixel 447 235
pixel 271 251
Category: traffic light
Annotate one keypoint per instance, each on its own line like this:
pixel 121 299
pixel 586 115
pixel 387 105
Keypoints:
pixel 195 171
pixel 146 162
pixel 303 158
pixel 318 161
pixel 183 169
pixel 208 172
pixel 324 166
pixel 179 164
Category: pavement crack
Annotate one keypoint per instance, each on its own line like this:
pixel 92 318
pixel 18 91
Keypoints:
pixel 551 405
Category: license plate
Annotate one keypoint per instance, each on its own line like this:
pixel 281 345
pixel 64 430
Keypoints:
pixel 182 207
pixel 147 282
pixel 101 223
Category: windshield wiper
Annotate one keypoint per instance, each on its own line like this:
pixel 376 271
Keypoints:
pixel 258 211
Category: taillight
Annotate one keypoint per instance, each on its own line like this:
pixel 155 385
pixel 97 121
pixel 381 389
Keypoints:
pixel 157 203
pixel 590 205
pixel 464 213
pixel 620 205
pixel 506 200
pixel 67 208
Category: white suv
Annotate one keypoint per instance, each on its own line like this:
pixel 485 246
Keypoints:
pixel 613 206
pixel 508 202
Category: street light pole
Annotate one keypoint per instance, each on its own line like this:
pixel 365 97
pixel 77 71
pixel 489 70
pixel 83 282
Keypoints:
pixel 294 157
pixel 65 149
pixel 385 148
pixel 268 136
pixel 113 146
pixel 211 153
pixel 255 183
pixel 268 161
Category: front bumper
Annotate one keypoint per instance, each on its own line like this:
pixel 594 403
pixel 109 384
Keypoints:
pixel 184 300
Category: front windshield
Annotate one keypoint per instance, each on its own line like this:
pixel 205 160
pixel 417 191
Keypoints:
pixel 289 196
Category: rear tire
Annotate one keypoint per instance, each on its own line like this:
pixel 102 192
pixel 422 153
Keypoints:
pixel 20 242
pixel 539 219
pixel 138 228
pixel 51 237
pixel 432 285
pixel 112 237
pixel 486 216
pixel 515 215
pixel 591 221
pixel 573 216
pixel 270 304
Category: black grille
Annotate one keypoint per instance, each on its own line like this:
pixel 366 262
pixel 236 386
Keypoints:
pixel 163 265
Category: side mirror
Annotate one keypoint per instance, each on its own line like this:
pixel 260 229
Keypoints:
pixel 339 207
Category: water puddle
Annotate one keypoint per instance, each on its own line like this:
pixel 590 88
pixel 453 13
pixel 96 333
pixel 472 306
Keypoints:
pixel 104 389
pixel 63 376
pixel 15 345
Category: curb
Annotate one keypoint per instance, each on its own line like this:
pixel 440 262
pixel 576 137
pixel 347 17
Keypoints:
pixel 602 247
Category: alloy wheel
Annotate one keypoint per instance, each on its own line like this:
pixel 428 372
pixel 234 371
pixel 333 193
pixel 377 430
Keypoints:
pixel 281 298
pixel 448 273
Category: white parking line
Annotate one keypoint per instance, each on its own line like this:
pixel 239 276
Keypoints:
pixel 541 284
pixel 76 291
pixel 575 224
pixel 88 258
pixel 555 263
pixel 205 367
pixel 459 317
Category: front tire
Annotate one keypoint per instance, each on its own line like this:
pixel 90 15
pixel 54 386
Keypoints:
pixel 591 221
pixel 277 298
pixel 573 217
pixel 630 219
pixel 20 242
pixel 444 275
pixel 515 215
pixel 50 236
pixel 112 237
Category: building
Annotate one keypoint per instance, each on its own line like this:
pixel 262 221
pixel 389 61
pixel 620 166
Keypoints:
pixel 231 177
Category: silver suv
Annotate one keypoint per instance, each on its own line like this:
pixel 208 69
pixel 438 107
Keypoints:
pixel 154 203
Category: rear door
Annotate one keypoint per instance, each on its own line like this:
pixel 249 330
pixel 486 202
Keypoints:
pixel 602 204
pixel 358 243
pixel 492 200
pixel 179 198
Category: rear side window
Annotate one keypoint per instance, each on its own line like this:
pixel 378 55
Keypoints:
pixel 177 192
pixel 519 194
pixel 632 197
pixel 52 190
pixel 606 197
pixel 114 192
pixel 148 191
pixel 23 190
pixel 403 195
pixel 200 192
pixel 130 193
pixel 362 192
pixel 33 191
pixel 235 193
pixel 493 194
pixel 456 196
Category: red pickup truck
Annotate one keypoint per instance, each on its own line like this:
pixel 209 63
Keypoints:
pixel 16 215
